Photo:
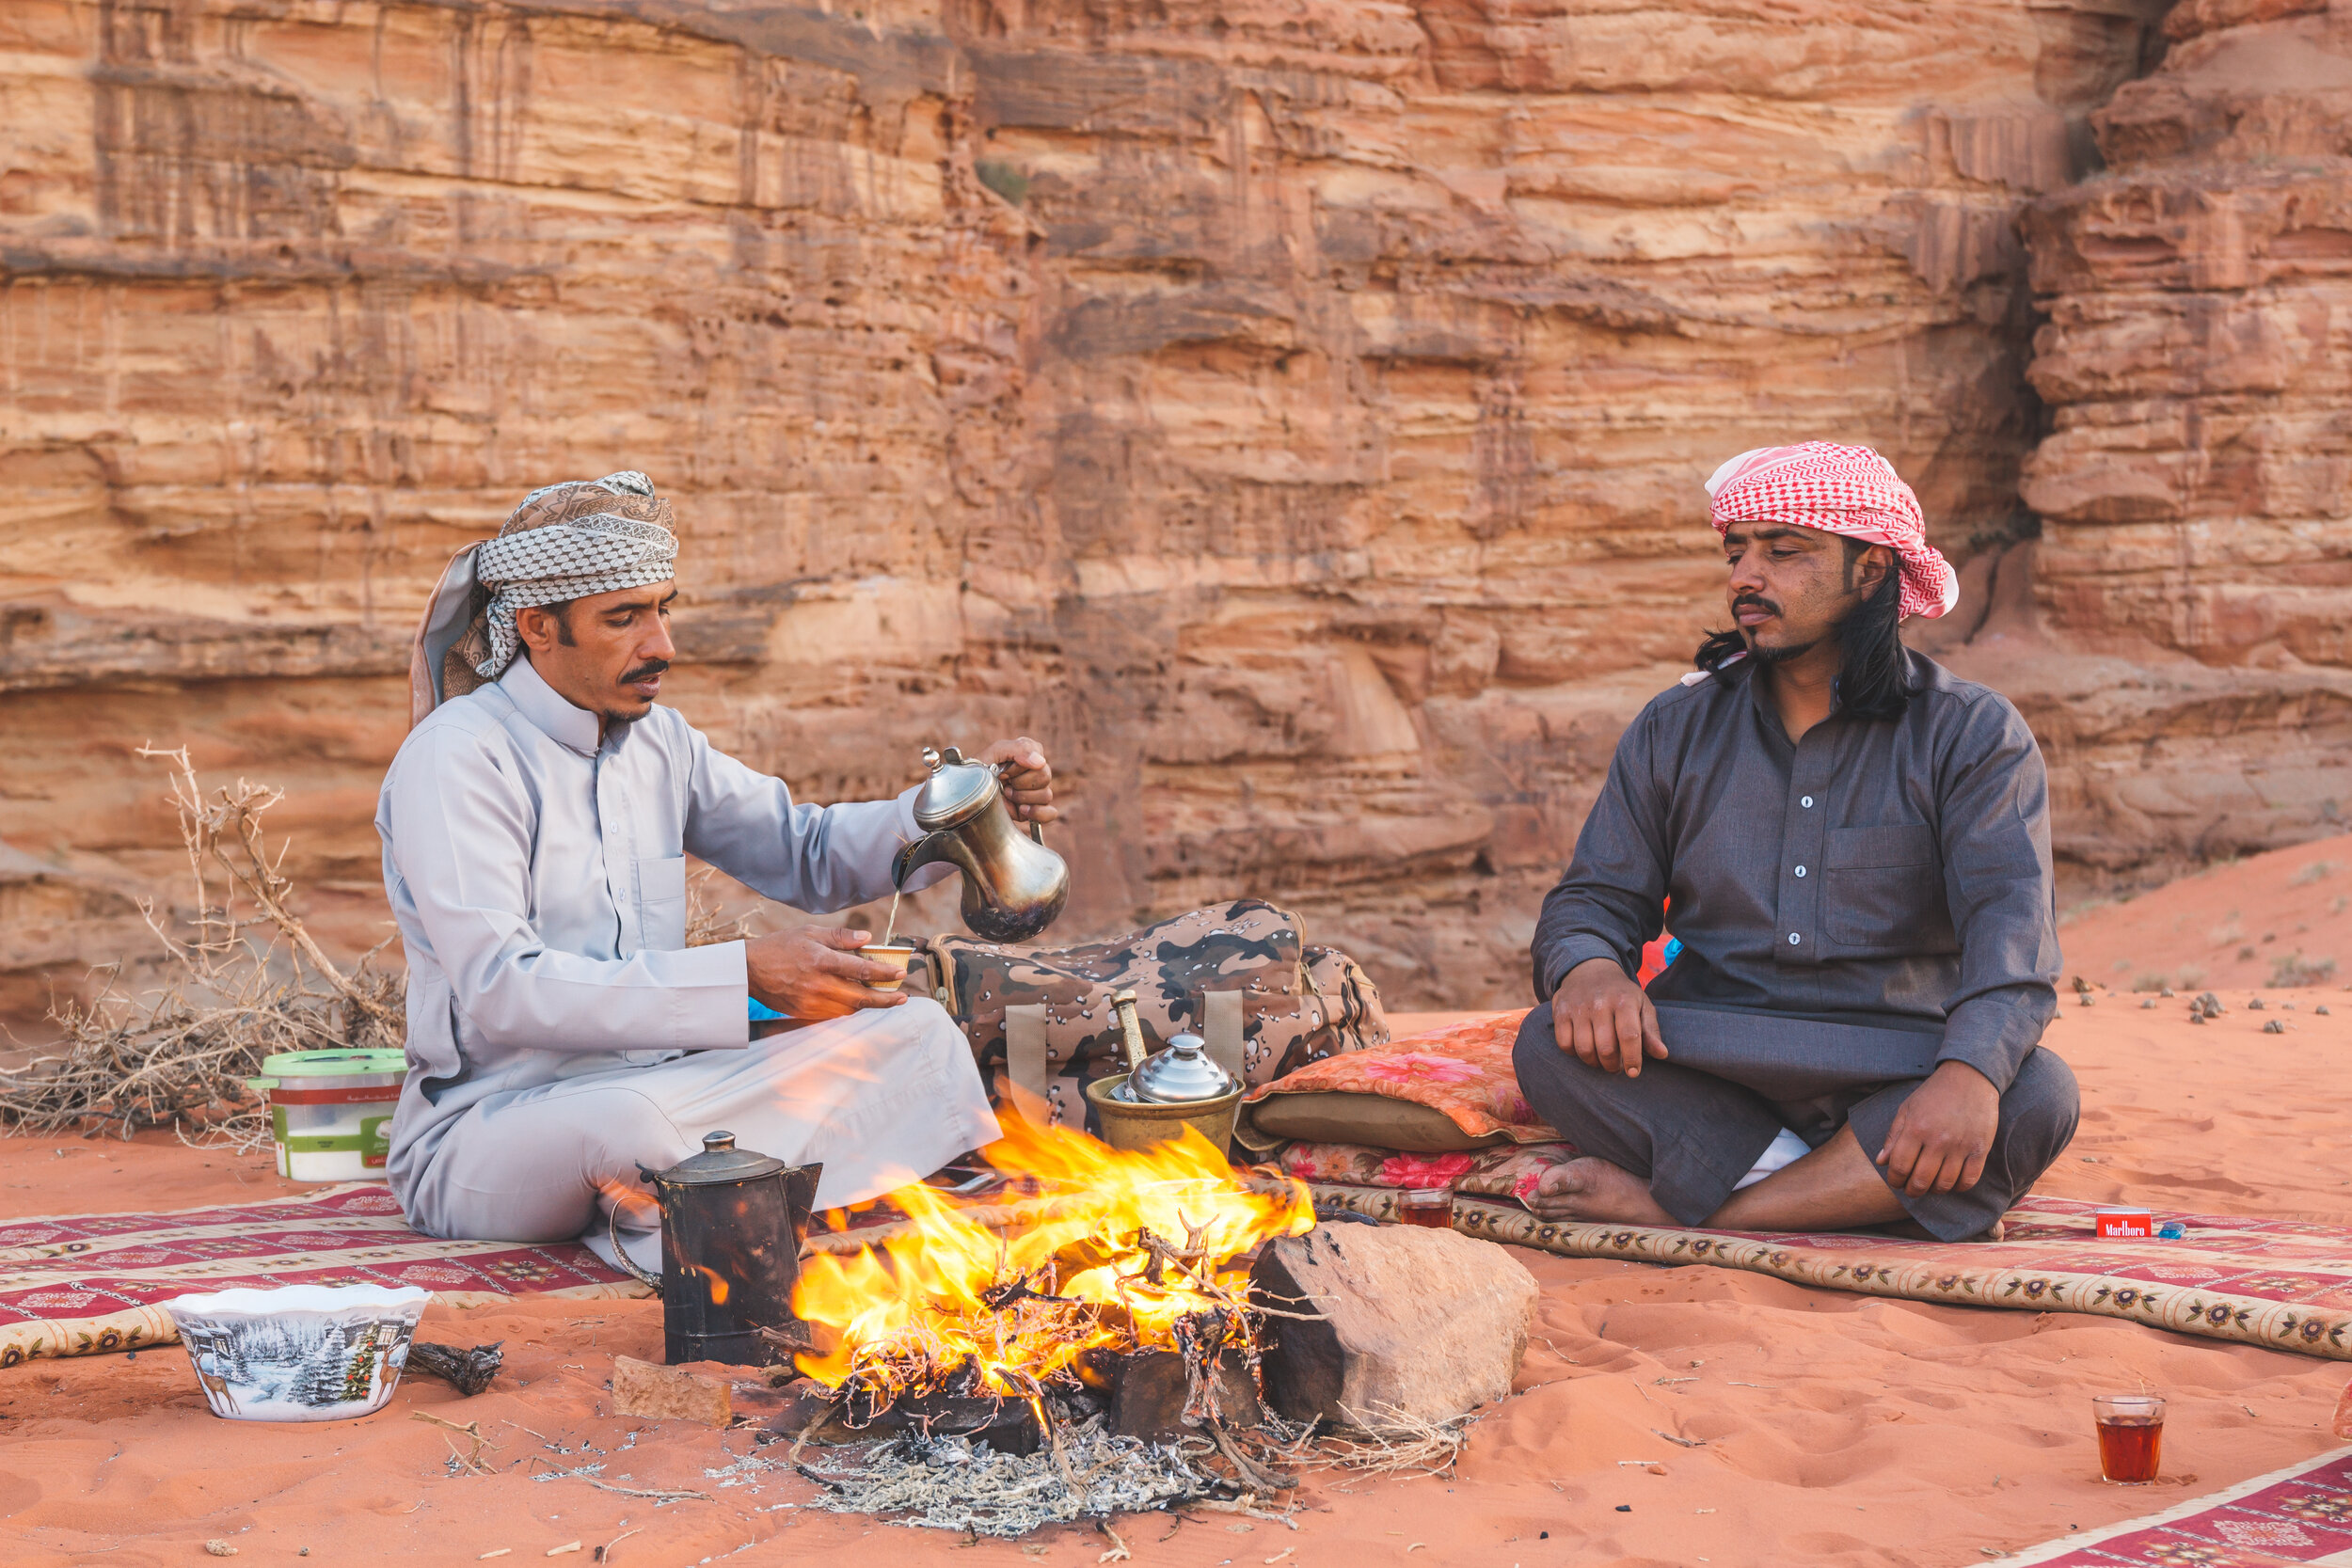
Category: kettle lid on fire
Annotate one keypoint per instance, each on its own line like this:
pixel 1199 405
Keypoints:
pixel 956 792
pixel 720 1161
pixel 1181 1073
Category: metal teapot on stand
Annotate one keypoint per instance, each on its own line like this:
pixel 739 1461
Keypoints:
pixel 1013 887
pixel 1161 1095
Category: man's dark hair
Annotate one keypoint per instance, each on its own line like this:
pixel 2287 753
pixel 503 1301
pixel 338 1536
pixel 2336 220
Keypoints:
pixel 562 611
pixel 1873 674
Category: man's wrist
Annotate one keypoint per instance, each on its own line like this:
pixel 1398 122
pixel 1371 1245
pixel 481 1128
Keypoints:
pixel 1951 1068
pixel 1574 953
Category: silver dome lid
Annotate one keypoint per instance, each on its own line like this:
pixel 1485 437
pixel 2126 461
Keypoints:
pixel 1182 1074
pixel 956 792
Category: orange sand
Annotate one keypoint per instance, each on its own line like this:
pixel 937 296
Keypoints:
pixel 1836 1429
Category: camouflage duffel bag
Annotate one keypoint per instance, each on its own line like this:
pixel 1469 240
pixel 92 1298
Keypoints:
pixel 1238 974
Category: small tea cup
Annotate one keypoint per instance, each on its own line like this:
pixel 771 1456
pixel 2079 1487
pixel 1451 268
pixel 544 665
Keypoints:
pixel 892 954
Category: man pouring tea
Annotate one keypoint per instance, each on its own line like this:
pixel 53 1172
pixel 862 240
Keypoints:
pixel 1856 847
pixel 535 825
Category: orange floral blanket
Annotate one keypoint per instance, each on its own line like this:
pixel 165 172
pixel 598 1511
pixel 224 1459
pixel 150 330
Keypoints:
pixel 1463 1070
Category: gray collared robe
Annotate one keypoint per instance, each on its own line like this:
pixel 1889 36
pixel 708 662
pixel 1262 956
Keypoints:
pixel 559 1031
pixel 1855 909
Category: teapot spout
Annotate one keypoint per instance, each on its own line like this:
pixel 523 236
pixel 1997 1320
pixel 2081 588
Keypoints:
pixel 942 847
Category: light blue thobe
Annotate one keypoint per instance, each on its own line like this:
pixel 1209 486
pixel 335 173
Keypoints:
pixel 538 879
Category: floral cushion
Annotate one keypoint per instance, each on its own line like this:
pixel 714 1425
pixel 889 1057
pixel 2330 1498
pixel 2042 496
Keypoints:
pixel 1463 1070
pixel 1508 1171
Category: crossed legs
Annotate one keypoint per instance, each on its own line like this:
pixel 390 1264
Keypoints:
pixel 1670 1147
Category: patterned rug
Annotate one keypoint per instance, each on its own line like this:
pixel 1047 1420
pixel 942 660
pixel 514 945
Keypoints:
pixel 2302 1513
pixel 2283 1284
pixel 80 1284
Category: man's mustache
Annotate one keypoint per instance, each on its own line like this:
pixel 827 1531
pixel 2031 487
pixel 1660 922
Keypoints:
pixel 1754 601
pixel 646 671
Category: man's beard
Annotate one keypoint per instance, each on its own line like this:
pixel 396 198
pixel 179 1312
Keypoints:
pixel 1769 655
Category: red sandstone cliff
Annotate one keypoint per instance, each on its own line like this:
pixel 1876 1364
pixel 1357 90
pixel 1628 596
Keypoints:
pixel 1294 413
pixel 2197 536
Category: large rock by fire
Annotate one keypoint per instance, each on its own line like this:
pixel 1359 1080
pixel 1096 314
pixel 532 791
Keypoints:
pixel 1410 1325
pixel 1293 415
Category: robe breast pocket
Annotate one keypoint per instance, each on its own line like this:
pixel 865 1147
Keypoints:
pixel 1883 890
pixel 661 903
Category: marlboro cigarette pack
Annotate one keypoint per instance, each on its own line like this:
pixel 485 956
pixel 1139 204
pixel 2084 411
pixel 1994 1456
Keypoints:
pixel 2125 1222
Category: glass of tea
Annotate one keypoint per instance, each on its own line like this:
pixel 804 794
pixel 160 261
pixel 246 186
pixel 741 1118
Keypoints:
pixel 2131 1436
pixel 1432 1207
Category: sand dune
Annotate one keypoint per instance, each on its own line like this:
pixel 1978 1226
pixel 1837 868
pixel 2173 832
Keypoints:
pixel 1833 1429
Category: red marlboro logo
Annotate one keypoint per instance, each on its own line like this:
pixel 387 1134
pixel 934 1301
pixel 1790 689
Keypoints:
pixel 2126 1222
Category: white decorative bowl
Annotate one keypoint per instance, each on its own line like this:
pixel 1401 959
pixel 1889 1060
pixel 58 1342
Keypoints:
pixel 304 1352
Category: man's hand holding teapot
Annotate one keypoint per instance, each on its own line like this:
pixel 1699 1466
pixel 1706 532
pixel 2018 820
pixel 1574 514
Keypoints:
pixel 815 972
pixel 1028 779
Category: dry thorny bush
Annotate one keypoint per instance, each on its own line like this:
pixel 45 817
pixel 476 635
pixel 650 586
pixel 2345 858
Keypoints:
pixel 242 980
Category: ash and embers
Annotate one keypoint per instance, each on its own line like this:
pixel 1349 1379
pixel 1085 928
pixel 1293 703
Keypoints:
pixel 961 1483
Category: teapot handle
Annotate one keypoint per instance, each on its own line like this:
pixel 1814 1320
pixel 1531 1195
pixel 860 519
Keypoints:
pixel 1037 831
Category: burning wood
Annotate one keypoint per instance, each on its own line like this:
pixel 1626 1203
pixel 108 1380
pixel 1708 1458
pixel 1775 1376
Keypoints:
pixel 1137 1253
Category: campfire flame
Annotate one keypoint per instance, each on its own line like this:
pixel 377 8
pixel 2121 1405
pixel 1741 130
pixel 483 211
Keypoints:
pixel 1125 1251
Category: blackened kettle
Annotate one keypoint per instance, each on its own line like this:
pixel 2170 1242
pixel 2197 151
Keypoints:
pixel 732 1225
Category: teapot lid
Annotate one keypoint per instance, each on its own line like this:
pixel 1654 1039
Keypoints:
pixel 956 792
pixel 1181 1073
pixel 720 1161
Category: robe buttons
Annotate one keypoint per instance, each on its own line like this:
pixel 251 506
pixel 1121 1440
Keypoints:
pixel 1806 802
pixel 1794 939
pixel 1800 871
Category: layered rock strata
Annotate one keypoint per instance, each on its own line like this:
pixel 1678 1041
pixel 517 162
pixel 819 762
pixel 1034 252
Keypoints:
pixel 2196 530
pixel 1293 414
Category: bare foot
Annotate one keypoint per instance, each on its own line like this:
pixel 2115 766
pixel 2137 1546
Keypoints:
pixel 1592 1189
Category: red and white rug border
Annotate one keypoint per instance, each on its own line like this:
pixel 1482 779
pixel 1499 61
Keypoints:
pixel 2053 1551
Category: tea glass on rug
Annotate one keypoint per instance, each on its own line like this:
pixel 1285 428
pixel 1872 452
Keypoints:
pixel 1430 1206
pixel 2131 1436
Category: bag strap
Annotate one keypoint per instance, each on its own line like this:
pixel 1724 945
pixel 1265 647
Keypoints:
pixel 1221 1026
pixel 1025 1063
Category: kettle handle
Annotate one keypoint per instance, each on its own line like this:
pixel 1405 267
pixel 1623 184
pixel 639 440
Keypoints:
pixel 1037 831
pixel 612 1233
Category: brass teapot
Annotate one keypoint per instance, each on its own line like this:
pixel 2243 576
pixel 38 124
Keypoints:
pixel 1013 887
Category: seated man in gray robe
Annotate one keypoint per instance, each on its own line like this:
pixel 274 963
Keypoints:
pixel 535 825
pixel 1856 846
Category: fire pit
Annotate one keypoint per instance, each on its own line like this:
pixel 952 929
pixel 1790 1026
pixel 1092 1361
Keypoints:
pixel 1116 1253
pixel 1068 1358
pixel 1089 1344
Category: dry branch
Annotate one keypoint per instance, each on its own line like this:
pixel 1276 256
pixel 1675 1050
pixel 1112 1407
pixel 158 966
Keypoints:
pixel 244 980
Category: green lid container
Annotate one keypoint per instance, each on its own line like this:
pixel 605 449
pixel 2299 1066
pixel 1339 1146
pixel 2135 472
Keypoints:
pixel 327 1064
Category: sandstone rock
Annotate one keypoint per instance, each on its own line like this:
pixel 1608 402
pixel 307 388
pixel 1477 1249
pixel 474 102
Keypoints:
pixel 1417 1325
pixel 1292 415
pixel 671 1393
pixel 2196 532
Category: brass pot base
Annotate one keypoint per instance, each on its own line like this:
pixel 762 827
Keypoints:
pixel 1136 1125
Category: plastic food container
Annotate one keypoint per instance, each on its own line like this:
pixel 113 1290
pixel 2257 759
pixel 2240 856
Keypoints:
pixel 331 1112
pixel 302 1352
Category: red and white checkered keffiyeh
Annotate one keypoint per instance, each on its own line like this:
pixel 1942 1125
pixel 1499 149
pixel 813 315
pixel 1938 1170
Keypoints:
pixel 1848 490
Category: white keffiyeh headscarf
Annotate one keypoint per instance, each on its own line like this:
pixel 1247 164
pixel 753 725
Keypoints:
pixel 565 542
